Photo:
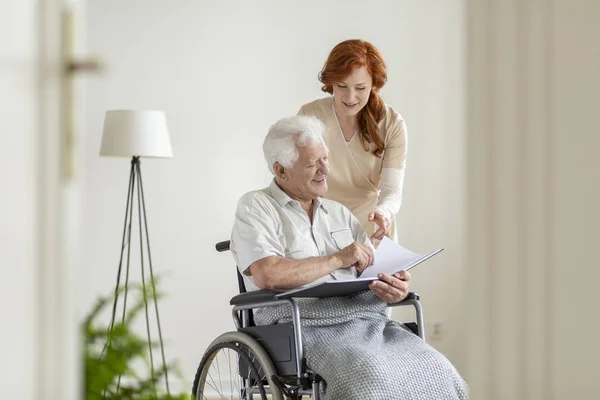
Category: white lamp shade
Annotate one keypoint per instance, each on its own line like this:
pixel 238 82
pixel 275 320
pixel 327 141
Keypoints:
pixel 141 133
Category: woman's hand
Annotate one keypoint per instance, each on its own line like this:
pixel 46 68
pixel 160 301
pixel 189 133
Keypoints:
pixel 391 289
pixel 383 223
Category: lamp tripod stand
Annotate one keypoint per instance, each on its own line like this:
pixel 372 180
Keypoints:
pixel 136 191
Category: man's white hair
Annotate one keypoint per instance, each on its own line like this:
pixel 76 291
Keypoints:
pixel 287 133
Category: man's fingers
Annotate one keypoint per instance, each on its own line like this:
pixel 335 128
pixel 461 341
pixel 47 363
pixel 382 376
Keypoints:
pixel 388 279
pixel 360 255
pixel 394 296
pixel 381 291
pixel 393 284
pixel 367 253
pixel 384 287
pixel 361 265
pixel 403 275
pixel 363 260
pixel 371 255
pixel 378 290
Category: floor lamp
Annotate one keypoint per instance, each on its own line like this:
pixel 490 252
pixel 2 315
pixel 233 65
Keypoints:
pixel 135 134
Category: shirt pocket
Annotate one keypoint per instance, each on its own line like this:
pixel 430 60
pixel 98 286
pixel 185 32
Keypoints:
pixel 342 238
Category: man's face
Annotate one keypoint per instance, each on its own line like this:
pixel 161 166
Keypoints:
pixel 307 178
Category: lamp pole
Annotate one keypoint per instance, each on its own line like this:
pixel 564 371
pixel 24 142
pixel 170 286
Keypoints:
pixel 136 186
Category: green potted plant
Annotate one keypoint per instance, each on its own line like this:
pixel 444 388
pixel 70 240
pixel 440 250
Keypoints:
pixel 115 362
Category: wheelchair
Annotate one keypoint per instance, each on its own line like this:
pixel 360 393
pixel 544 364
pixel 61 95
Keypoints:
pixel 265 362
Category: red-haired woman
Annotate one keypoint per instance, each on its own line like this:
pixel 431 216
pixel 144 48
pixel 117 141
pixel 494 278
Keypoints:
pixel 366 138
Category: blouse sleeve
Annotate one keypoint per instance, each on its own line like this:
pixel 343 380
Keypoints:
pixel 393 168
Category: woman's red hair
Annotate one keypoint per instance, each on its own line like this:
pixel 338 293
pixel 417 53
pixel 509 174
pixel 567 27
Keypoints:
pixel 343 59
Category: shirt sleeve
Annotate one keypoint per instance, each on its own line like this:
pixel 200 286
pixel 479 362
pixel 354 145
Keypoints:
pixel 254 235
pixel 393 168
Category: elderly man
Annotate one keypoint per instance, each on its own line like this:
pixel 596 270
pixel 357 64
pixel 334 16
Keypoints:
pixel 287 236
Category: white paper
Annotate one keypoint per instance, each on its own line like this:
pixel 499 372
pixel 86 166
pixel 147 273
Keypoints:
pixel 390 257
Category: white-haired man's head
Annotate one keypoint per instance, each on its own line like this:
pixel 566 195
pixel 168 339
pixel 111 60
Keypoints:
pixel 286 135
pixel 296 154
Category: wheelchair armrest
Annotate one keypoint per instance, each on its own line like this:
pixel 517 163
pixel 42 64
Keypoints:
pixel 410 297
pixel 256 296
pixel 222 246
pixel 259 296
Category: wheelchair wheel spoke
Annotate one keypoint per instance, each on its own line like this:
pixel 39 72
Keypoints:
pixel 217 378
pixel 238 377
pixel 219 372
pixel 225 388
pixel 259 369
pixel 216 390
pixel 254 362
pixel 214 386
pixel 231 378
pixel 248 378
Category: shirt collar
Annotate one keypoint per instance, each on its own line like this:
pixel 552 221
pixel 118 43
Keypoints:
pixel 282 198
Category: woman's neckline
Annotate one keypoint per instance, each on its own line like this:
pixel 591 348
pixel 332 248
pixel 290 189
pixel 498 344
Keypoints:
pixel 340 126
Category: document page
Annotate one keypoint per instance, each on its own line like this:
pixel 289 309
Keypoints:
pixel 390 257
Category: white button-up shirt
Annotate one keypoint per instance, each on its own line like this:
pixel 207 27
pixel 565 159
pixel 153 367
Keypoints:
pixel 269 223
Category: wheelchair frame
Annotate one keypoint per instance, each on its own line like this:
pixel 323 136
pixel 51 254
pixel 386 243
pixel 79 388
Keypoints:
pixel 245 302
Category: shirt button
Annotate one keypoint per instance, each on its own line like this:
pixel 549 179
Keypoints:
pixel 322 252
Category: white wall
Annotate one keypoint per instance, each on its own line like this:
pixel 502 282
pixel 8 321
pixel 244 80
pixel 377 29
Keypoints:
pixel 224 71
pixel 17 205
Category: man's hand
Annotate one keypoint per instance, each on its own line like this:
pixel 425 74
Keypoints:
pixel 357 255
pixel 391 289
pixel 383 223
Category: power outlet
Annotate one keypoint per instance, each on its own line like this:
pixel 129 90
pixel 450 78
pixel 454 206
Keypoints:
pixel 436 332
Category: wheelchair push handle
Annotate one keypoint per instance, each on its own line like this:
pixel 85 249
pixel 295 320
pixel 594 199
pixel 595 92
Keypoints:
pixel 222 246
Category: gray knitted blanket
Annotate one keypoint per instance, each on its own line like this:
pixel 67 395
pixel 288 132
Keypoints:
pixel 361 354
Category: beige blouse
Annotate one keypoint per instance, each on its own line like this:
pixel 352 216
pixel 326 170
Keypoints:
pixel 358 179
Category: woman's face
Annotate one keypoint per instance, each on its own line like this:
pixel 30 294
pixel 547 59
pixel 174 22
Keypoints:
pixel 352 94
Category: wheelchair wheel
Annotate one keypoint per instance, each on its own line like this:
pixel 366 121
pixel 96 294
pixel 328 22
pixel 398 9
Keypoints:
pixel 235 366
